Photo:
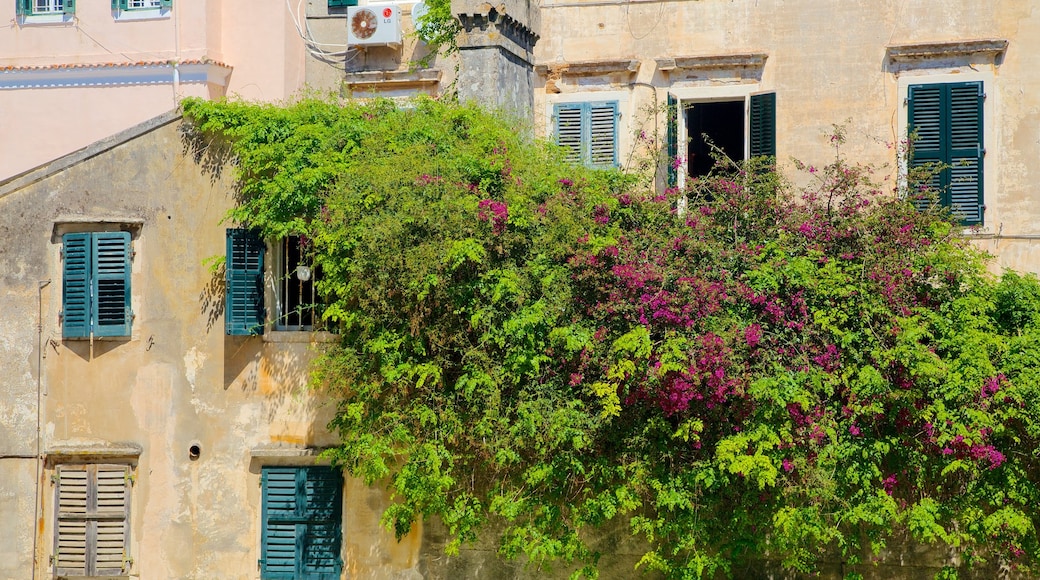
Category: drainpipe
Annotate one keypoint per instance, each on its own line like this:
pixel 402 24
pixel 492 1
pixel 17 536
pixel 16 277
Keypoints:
pixel 37 497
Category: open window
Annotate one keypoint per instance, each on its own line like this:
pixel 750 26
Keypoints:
pixel 738 126
pixel 299 307
pixel 45 11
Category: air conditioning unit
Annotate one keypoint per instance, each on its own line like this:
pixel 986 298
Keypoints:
pixel 374 25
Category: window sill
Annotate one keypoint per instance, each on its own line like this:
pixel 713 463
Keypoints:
pixel 142 14
pixel 299 336
pixel 38 19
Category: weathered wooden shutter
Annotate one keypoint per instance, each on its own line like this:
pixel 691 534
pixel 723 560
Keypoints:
pixel 301 534
pixel 569 129
pixel 76 292
pixel 111 284
pixel 93 511
pixel 244 312
pixel 602 134
pixel 672 136
pixel 946 123
pixel 966 151
pixel 762 134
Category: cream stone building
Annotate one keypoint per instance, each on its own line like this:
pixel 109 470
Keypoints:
pixel 155 420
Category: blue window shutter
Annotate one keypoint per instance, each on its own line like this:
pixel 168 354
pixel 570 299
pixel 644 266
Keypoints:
pixel 111 284
pixel 166 4
pixel 762 134
pixel 338 3
pixel 672 136
pixel 244 312
pixel 966 151
pixel 602 139
pixel 69 7
pixel 301 535
pixel 76 294
pixel 23 7
pixel 946 122
pixel 569 129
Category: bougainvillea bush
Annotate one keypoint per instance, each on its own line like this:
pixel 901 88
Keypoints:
pixel 534 350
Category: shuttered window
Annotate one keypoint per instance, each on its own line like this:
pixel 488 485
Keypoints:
pixel 301 533
pixel 244 311
pixel 45 7
pixel 93 508
pixel 96 285
pixel 588 132
pixel 946 122
pixel 141 4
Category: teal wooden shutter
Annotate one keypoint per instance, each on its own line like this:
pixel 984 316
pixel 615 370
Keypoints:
pixel 301 534
pixel 672 136
pixel 76 294
pixel 602 134
pixel 569 129
pixel 338 3
pixel 966 151
pixel 244 312
pixel 69 7
pixel 167 4
pixel 762 134
pixel 111 284
pixel 946 123
pixel 23 7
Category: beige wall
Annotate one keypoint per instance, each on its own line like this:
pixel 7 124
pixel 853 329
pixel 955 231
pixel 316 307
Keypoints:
pixel 828 64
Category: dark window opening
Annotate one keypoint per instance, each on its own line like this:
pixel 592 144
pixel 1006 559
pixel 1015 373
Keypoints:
pixel 299 300
pixel 723 124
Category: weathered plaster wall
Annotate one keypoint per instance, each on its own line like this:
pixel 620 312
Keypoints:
pixel 176 381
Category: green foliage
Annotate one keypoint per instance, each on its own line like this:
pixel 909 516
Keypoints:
pixel 543 350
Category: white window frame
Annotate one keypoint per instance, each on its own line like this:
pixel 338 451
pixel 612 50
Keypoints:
pixel 687 96
pixel 623 129
pixel 992 213
pixel 55 13
pixel 143 12
pixel 281 279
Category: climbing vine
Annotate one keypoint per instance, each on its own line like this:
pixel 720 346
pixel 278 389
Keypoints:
pixel 538 351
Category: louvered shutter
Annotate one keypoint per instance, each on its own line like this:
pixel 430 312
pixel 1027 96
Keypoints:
pixel 569 129
pixel 321 550
pixel 70 550
pixel 602 137
pixel 672 137
pixel 166 4
pixel 111 284
pixel 946 121
pixel 301 533
pixel 23 7
pixel 966 152
pixel 762 134
pixel 338 3
pixel 69 7
pixel 93 512
pixel 244 312
pixel 76 292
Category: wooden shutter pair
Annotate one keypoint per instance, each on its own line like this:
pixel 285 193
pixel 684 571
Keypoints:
pixel 589 132
pixel 125 4
pixel 946 121
pixel 244 267
pixel 93 508
pixel 761 129
pixel 301 534
pixel 25 7
pixel 96 285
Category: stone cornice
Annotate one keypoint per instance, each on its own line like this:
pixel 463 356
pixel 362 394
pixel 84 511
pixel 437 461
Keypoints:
pixel 714 61
pixel 589 68
pixel 376 80
pixel 939 50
